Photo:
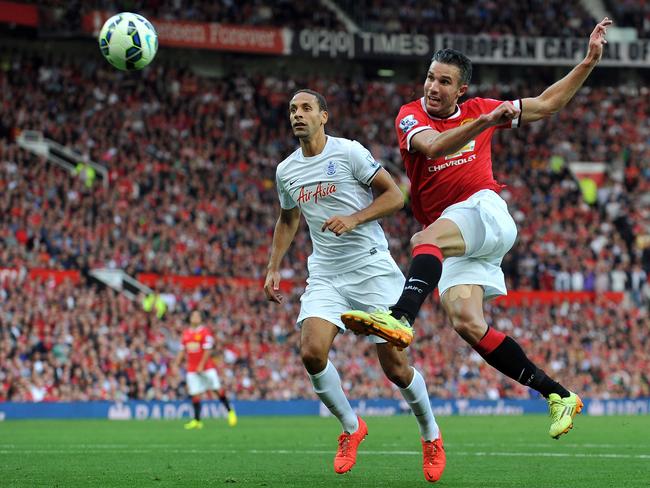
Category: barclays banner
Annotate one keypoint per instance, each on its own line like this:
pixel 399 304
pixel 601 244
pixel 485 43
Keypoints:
pixel 137 410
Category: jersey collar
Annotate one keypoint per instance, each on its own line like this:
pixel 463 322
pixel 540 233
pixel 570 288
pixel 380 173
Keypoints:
pixel 455 115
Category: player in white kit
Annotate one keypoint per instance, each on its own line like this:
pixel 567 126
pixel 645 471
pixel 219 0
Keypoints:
pixel 331 181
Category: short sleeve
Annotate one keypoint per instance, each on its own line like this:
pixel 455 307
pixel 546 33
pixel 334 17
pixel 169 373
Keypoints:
pixel 363 164
pixel 409 122
pixel 286 202
pixel 208 340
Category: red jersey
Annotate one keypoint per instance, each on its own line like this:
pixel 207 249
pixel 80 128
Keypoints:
pixel 438 183
pixel 195 342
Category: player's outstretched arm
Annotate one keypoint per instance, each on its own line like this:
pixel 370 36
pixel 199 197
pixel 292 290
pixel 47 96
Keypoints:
pixel 388 200
pixel 285 230
pixel 434 144
pixel 556 96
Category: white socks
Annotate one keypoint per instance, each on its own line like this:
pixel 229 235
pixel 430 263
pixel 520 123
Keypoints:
pixel 327 385
pixel 417 397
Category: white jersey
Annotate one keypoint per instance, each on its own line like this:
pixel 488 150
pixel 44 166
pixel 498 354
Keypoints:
pixel 334 182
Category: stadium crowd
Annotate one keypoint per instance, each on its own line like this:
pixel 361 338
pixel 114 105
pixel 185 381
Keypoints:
pixel 75 342
pixel 631 13
pixel 191 192
pixel 530 18
pixel 192 175
pixel 68 14
pixel 549 18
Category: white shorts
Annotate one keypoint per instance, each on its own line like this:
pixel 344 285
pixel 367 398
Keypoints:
pixel 376 286
pixel 198 383
pixel 489 232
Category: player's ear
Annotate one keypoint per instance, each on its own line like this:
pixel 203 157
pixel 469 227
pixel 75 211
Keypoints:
pixel 462 90
pixel 324 116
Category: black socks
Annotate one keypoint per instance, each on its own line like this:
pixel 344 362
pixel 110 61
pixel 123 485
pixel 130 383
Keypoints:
pixel 424 274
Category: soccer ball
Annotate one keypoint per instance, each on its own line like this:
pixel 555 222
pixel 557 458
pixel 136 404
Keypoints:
pixel 128 41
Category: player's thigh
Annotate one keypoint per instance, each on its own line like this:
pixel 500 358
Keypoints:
pixel 487 228
pixel 316 337
pixel 195 384
pixel 444 234
pixel 395 363
pixel 464 307
pixel 211 379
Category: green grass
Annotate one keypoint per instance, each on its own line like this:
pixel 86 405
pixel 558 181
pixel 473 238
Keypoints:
pixel 297 452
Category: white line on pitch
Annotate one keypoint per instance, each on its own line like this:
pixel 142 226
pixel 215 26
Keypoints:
pixel 324 452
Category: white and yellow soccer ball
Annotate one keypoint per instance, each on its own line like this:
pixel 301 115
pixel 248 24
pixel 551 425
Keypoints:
pixel 128 41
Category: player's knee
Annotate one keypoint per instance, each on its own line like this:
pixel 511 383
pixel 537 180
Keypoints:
pixel 400 375
pixel 422 237
pixel 313 359
pixel 470 327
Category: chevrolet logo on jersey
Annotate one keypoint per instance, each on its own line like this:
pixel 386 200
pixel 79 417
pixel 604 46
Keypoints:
pixel 469 147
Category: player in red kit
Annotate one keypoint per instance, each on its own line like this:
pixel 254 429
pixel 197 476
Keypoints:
pixel 446 148
pixel 198 344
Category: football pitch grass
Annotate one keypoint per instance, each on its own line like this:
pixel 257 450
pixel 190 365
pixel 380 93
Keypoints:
pixel 298 451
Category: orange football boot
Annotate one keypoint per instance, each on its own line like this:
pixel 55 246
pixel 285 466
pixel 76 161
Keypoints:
pixel 346 456
pixel 433 459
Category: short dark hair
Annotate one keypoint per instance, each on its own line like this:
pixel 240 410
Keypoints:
pixel 322 103
pixel 458 59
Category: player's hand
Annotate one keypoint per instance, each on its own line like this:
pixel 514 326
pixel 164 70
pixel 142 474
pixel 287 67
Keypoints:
pixel 340 224
pixel 272 287
pixel 597 41
pixel 503 114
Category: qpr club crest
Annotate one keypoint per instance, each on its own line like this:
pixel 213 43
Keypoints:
pixel 330 170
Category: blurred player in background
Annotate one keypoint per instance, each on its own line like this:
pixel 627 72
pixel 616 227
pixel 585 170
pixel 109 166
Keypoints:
pixel 330 180
pixel 446 150
pixel 198 345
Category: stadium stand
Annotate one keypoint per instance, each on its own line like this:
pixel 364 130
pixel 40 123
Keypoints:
pixel 281 13
pixel 192 162
pixel 166 212
pixel 630 13
pixel 75 342
pixel 520 18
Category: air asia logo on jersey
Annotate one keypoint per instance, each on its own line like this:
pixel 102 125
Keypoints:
pixel 407 123
pixel 320 191
pixel 330 170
